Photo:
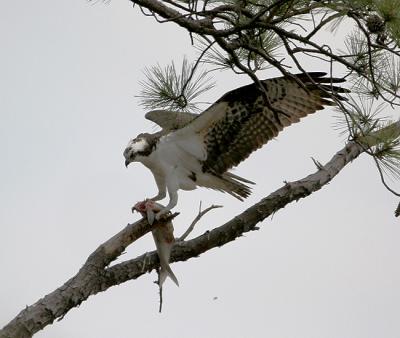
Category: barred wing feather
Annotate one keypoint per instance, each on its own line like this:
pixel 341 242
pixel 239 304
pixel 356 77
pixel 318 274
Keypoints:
pixel 241 121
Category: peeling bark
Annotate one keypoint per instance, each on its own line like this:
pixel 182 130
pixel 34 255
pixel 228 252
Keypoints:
pixel 95 275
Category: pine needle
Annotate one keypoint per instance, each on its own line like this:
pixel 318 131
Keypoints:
pixel 168 88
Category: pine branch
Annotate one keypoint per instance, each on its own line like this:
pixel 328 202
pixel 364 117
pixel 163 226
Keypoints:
pixel 168 88
pixel 254 29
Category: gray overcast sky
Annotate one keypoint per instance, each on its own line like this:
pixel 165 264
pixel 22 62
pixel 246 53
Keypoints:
pixel 325 267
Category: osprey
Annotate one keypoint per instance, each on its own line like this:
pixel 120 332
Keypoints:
pixel 199 149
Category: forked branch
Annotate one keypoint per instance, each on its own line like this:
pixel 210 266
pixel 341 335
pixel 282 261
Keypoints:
pixel 96 276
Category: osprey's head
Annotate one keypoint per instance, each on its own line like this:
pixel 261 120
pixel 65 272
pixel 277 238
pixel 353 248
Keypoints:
pixel 139 146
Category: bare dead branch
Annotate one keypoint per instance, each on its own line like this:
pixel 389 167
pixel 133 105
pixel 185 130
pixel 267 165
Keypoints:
pixel 95 276
pixel 88 281
pixel 196 220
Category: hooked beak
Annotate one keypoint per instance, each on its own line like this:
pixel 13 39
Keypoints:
pixel 127 163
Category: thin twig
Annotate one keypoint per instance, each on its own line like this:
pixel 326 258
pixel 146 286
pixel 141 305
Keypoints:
pixel 196 219
pixel 160 291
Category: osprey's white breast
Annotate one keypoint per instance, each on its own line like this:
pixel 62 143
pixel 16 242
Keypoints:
pixel 176 159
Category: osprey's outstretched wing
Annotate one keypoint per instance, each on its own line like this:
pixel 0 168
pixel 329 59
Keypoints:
pixel 241 121
pixel 170 120
pixel 198 150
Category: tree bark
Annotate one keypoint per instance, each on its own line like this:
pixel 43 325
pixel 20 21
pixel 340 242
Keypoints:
pixel 95 275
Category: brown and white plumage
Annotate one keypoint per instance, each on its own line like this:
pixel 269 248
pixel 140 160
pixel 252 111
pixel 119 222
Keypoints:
pixel 198 150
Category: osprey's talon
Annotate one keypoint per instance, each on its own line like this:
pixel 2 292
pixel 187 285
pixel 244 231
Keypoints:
pixel 146 208
pixel 163 214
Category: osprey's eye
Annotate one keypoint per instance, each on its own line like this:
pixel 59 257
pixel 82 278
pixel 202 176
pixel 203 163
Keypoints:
pixel 132 156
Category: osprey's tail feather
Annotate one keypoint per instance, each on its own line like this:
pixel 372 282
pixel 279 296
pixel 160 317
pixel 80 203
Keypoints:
pixel 233 185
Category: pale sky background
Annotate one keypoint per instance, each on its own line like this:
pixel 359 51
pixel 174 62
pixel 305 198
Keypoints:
pixel 325 267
